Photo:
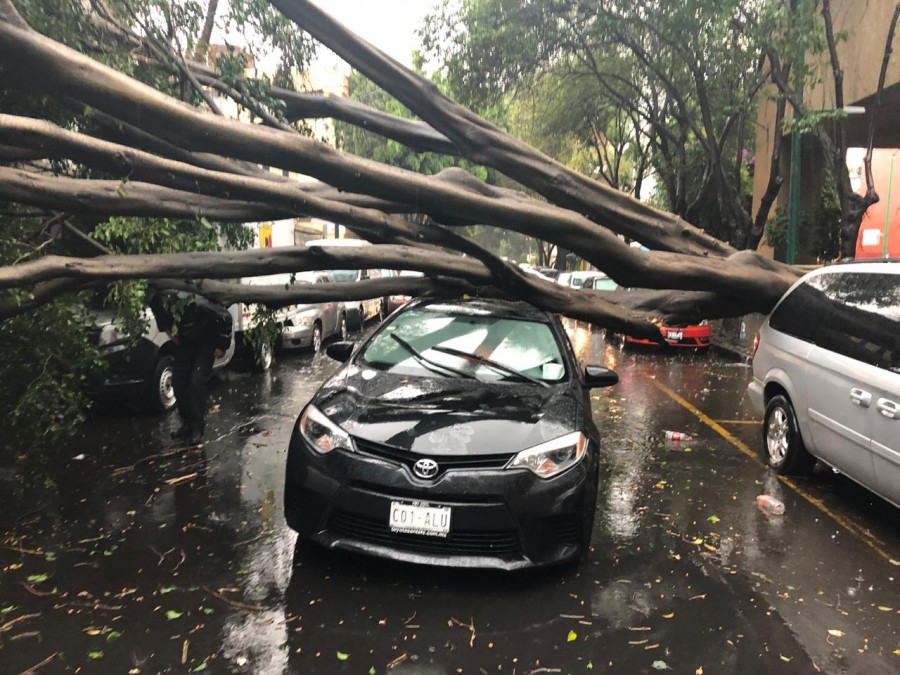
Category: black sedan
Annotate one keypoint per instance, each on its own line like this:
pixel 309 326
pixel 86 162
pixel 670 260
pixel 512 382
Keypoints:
pixel 459 434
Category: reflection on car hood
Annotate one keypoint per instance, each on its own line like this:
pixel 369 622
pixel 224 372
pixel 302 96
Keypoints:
pixel 446 416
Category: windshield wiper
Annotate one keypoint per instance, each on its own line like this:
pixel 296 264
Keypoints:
pixel 428 363
pixel 490 364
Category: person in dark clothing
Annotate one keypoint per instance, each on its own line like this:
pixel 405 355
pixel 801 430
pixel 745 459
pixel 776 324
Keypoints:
pixel 202 333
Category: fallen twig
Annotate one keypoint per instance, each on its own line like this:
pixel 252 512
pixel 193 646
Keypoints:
pixel 43 663
pixel 162 556
pixel 470 626
pixel 182 479
pixel 233 603
pixel 161 455
pixel 184 651
pixel 396 662
pixel 31 589
pixel 9 624
pixel 31 633
pixel 26 551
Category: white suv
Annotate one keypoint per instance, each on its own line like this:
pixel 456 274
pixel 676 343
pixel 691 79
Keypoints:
pixel 826 373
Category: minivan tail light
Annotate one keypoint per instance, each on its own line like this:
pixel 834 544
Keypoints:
pixel 754 347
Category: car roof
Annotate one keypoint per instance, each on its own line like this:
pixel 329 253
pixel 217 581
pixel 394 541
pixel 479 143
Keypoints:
pixel 506 309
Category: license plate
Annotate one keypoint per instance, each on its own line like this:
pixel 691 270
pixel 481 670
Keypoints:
pixel 433 521
pixel 674 335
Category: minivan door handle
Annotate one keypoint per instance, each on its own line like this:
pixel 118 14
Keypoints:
pixel 861 398
pixel 888 408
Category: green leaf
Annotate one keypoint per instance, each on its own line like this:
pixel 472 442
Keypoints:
pixel 372 670
pixel 202 666
pixel 95 655
pixel 572 636
pixel 167 589
pixel 113 635
pixel 713 519
pixel 341 656
pixel 660 665
pixel 208 610
pixel 50 556
pixel 172 614
pixel 590 665
pixel 7 610
pixel 786 659
pixel 37 578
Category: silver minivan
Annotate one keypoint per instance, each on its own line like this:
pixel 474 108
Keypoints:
pixel 826 375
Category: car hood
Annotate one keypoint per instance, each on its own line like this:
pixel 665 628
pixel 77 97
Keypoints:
pixel 446 416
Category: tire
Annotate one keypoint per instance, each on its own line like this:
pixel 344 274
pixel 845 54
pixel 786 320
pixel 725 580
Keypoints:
pixel 785 451
pixel 343 328
pixel 161 396
pixel 316 338
pixel 264 358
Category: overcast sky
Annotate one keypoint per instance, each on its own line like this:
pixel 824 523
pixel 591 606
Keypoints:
pixel 390 25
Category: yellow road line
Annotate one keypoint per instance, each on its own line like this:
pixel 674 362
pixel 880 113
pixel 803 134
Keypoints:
pixel 866 537
pixel 739 421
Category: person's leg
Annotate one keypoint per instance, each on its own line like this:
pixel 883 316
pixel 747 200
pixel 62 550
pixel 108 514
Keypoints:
pixel 201 370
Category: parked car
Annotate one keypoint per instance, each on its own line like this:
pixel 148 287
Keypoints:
pixel 357 311
pixel 394 302
pixel 309 325
pixel 139 371
pixel 576 279
pixel 826 375
pixel 458 434
pixel 691 336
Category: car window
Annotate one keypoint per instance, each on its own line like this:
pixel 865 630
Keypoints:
pixel 529 347
pixel 856 314
pixel 341 276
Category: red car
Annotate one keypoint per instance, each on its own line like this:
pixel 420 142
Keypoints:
pixel 692 337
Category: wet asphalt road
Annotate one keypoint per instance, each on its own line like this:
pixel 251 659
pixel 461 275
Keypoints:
pixel 143 560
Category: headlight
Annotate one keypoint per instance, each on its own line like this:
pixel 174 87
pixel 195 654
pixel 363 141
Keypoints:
pixel 321 433
pixel 553 457
pixel 306 321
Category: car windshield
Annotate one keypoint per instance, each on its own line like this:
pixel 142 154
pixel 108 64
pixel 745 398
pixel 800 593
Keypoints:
pixel 339 276
pixel 483 346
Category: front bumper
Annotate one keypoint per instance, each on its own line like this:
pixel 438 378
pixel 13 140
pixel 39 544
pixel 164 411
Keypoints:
pixel 500 519
pixel 690 337
pixel 296 337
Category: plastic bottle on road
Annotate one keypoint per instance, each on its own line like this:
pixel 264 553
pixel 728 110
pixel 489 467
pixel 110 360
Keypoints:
pixel 678 436
pixel 770 506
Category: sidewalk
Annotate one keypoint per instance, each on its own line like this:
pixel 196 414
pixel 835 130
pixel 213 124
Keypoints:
pixel 735 336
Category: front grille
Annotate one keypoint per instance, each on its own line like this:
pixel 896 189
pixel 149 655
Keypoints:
pixel 445 462
pixel 495 543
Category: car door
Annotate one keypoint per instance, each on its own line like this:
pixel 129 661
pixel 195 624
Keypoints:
pixel 839 400
pixel 886 433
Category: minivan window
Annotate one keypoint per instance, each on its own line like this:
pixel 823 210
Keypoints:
pixel 855 314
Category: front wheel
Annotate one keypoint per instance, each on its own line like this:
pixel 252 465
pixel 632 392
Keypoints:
pixel 264 357
pixel 162 391
pixel 785 451
pixel 317 338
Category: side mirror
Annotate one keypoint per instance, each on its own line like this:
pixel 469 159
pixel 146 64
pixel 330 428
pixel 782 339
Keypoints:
pixel 340 351
pixel 598 376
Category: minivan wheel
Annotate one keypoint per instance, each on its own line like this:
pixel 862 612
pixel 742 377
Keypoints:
pixel 317 338
pixel 162 390
pixel 785 451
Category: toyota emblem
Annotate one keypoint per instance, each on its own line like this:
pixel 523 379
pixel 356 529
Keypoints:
pixel 425 468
